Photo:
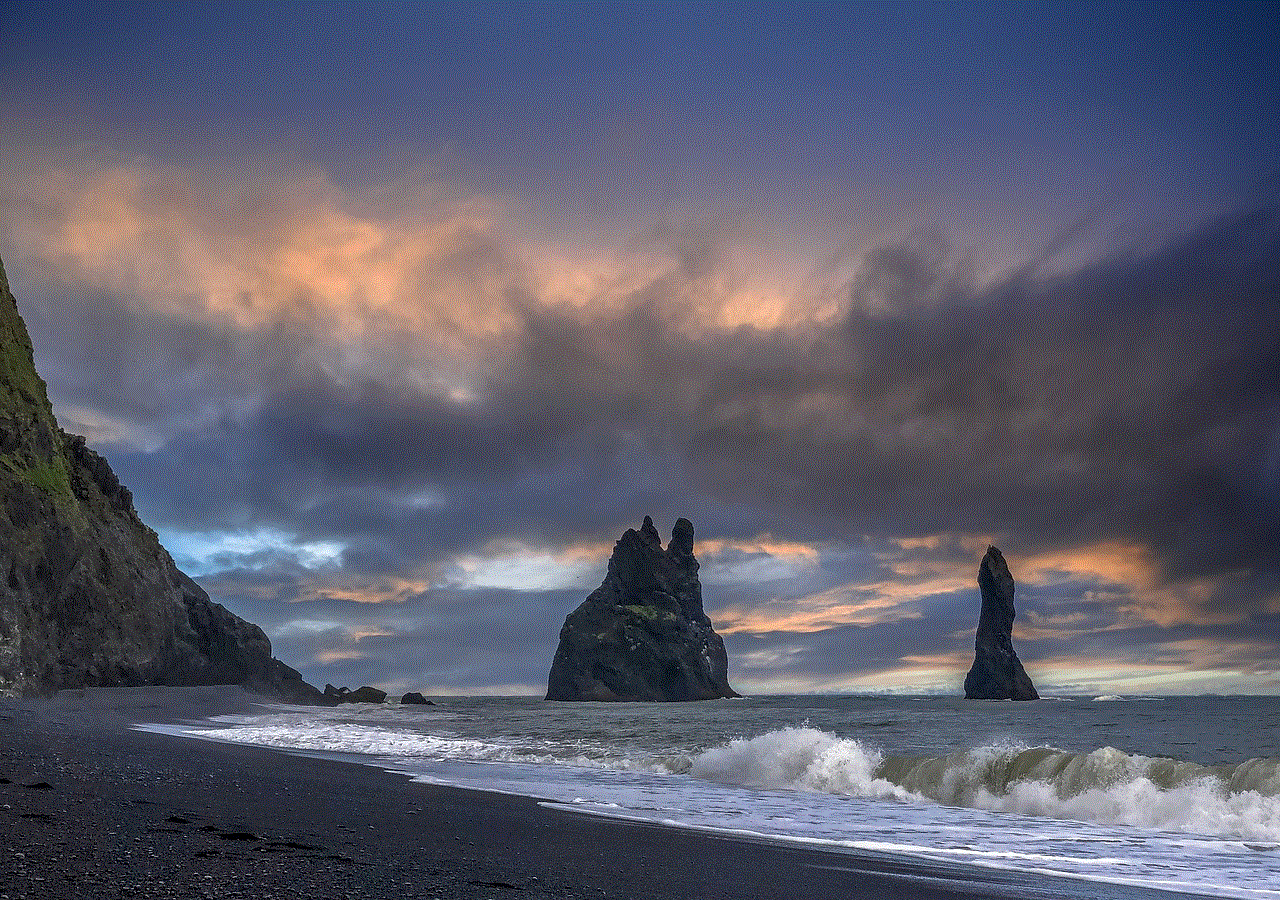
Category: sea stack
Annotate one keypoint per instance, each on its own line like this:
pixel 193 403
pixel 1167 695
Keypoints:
pixel 88 597
pixel 642 635
pixel 997 673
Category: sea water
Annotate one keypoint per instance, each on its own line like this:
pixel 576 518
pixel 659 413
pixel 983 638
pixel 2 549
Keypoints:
pixel 1178 793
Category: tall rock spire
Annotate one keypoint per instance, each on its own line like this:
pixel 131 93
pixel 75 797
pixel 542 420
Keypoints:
pixel 997 673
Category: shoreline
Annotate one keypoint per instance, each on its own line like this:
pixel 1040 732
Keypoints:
pixel 139 813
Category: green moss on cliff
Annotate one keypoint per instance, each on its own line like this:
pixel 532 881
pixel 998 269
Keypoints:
pixel 49 476
pixel 33 451
pixel 19 383
pixel 650 613
pixel 29 434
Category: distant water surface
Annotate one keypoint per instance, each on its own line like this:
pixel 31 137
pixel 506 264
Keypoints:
pixel 1178 793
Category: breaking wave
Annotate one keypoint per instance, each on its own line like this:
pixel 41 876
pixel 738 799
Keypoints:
pixel 1106 786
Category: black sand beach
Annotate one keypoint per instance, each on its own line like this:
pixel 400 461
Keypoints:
pixel 90 808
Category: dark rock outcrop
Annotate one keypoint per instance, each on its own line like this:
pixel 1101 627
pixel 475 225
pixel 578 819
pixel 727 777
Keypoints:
pixel 642 635
pixel 413 698
pixel 365 694
pixel 88 596
pixel 997 673
pixel 333 695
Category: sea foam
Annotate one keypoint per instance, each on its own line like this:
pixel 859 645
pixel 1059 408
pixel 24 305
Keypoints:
pixel 1106 786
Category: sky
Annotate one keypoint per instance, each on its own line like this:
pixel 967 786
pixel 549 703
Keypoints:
pixel 395 317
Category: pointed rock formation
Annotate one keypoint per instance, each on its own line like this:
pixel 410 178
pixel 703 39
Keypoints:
pixel 997 673
pixel 642 635
pixel 87 594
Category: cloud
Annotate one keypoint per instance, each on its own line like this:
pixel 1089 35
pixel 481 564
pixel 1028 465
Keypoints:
pixel 256 254
pixel 402 376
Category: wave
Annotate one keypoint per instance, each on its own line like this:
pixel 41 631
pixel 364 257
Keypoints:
pixel 1106 786
pixel 374 740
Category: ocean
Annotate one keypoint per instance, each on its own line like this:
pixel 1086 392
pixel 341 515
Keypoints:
pixel 1177 793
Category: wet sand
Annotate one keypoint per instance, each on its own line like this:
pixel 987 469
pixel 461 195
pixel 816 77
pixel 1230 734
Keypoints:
pixel 92 808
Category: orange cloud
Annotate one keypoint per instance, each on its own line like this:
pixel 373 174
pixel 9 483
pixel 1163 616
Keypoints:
pixel 1146 596
pixel 386 589
pixel 418 287
pixel 337 585
pixel 765 543
pixel 449 269
pixel 331 656
pixel 918 567
pixel 887 597
pixel 846 604
pixel 1129 578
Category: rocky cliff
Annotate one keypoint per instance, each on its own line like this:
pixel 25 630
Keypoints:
pixel 88 596
pixel 997 673
pixel 642 635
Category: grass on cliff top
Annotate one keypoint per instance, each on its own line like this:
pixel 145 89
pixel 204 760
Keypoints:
pixel 20 384
pixel 24 402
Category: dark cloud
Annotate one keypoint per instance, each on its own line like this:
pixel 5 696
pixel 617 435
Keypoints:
pixel 1134 400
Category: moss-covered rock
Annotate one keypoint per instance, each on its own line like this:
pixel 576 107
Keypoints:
pixel 642 635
